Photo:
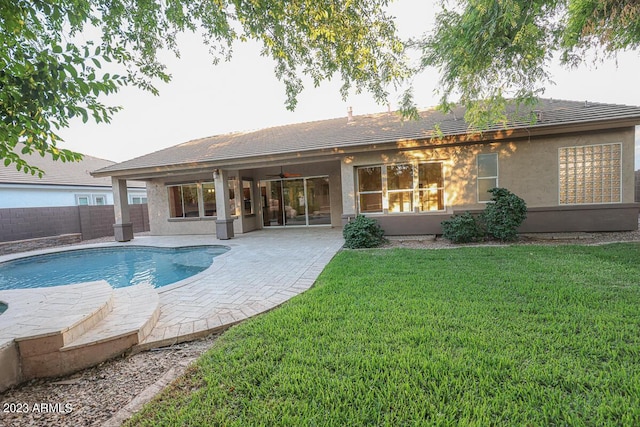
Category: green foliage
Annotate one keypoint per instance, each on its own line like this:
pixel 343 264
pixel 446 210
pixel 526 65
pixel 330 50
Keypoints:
pixel 512 336
pixel 504 214
pixel 488 51
pixel 462 229
pixel 363 232
pixel 58 58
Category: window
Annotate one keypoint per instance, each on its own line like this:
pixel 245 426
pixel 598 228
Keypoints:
pixel 431 185
pixel 590 174
pixel 407 187
pixel 82 200
pixel 138 200
pixel 487 175
pixel 99 200
pixel 183 201
pixel 247 197
pixel 400 188
pixel 209 199
pixel 370 189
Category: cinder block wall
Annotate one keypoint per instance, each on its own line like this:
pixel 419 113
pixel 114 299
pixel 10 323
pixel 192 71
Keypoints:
pixel 91 221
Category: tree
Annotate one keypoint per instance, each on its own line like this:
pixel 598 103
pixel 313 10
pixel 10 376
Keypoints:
pixel 50 72
pixel 488 51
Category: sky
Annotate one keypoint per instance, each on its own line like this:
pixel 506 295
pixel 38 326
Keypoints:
pixel 241 95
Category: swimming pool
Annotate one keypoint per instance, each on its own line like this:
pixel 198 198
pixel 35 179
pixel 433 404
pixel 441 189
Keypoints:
pixel 119 266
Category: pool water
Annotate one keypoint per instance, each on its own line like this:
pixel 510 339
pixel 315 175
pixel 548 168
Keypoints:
pixel 119 266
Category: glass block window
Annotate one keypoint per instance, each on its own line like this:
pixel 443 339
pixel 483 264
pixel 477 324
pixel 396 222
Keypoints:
pixel 590 174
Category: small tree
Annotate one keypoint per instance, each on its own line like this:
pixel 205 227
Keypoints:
pixel 504 214
pixel 363 232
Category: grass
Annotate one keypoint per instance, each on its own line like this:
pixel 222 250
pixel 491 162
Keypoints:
pixel 523 335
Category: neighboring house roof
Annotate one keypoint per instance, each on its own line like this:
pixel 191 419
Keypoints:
pixel 375 130
pixel 59 173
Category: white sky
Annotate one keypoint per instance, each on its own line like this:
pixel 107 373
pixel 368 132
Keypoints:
pixel 204 100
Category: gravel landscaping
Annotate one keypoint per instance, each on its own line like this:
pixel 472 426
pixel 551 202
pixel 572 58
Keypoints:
pixel 109 393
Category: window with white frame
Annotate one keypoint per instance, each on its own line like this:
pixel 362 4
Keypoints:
pixel 401 188
pixel 431 187
pixel 487 175
pixel 370 189
pixel 99 200
pixel 590 174
pixel 138 200
pixel 82 200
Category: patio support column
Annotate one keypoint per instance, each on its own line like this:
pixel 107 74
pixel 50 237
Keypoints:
pixel 224 221
pixel 123 228
pixel 348 179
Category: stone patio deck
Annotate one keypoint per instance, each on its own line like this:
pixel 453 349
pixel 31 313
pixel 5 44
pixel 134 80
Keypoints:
pixel 54 331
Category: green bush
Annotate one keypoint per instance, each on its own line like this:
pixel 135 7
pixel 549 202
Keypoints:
pixel 363 232
pixel 462 229
pixel 504 214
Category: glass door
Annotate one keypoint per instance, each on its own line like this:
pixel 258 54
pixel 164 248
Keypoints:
pixel 295 202
pixel 319 205
pixel 272 207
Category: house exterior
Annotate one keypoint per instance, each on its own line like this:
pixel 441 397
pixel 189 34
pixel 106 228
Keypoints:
pixel 574 167
pixel 63 184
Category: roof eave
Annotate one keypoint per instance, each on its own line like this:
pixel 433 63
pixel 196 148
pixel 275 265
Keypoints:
pixel 536 130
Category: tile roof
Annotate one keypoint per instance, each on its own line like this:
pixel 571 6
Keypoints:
pixel 365 130
pixel 59 173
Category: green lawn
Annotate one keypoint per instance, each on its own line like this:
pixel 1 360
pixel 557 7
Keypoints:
pixel 523 335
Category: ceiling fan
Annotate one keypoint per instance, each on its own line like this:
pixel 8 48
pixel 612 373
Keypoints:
pixel 283 175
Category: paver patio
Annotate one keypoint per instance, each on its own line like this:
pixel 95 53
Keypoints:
pixel 262 270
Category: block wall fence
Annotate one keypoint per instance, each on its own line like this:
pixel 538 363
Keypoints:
pixel 90 222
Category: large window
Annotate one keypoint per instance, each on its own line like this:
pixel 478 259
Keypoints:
pixel 196 200
pixel 487 175
pixel 183 201
pixel 590 174
pixel 406 187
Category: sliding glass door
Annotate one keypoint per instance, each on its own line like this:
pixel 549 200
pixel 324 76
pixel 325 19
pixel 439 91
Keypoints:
pixel 295 202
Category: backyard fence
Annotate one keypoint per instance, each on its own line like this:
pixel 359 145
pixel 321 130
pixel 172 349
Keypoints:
pixel 90 222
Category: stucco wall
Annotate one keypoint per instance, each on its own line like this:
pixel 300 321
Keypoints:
pixel 529 168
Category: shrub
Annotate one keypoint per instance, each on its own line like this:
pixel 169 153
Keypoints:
pixel 504 214
pixel 363 232
pixel 462 229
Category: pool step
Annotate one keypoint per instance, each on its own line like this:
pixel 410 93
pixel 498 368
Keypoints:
pixel 135 313
pixel 39 321
pixel 95 323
